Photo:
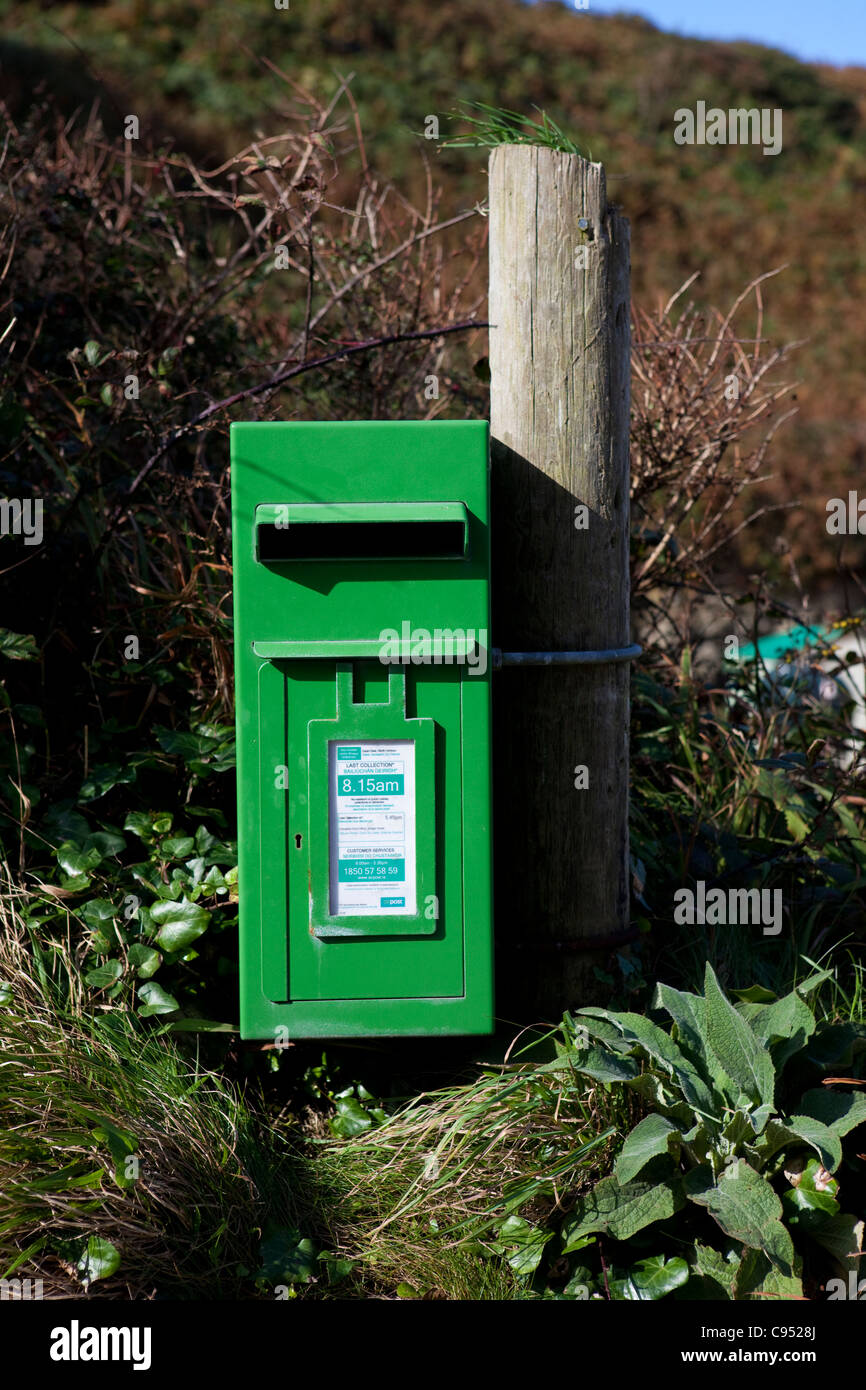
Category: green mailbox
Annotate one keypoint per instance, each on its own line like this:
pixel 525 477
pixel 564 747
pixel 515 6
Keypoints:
pixel 362 593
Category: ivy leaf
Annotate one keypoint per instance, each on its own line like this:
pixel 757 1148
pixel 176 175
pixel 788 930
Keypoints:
pixel 156 1000
pixel 336 1269
pixel 98 1260
pixel 62 822
pixel 808 1206
pixel 651 1279
pixel 209 748
pixel 180 923
pixel 147 825
pixel 106 841
pixel 521 1243
pixel 103 976
pixel 351 1118
pixel 177 846
pixel 140 824
pixel 74 861
pixel 213 813
pixel 102 778
pixel 286 1257
pixel 99 914
pixel 144 959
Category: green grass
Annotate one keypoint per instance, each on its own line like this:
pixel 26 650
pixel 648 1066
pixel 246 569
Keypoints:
pixel 124 1161
pixel 499 126
pixel 420 1202
pixel 112 1138
pixel 842 997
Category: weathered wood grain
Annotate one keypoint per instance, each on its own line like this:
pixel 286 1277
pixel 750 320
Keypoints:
pixel 559 362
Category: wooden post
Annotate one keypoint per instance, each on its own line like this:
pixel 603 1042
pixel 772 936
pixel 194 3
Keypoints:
pixel 559 362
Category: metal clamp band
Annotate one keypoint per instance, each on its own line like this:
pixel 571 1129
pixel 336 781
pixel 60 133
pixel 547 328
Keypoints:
pixel 599 658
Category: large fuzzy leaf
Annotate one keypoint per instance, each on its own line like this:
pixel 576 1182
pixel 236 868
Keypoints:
pixel 801 1129
pixel 716 1271
pixel 842 1236
pixel 604 1032
pixel 746 1061
pixel 820 1137
pixel 784 1025
pixel 745 1206
pixel 642 1032
pixel 653 1136
pixel 689 1013
pixel 758 1278
pixel 597 1063
pixel 658 1093
pixel 832 1045
pixel 782 1019
pixel 620 1210
pixel 840 1111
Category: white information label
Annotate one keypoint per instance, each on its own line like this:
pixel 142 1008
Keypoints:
pixel 372 828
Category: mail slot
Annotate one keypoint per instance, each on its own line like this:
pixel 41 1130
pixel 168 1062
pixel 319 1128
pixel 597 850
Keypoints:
pixel 361 592
pixel 341 531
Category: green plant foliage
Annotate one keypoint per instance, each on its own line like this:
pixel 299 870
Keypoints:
pixel 650 1279
pixel 98 1260
pixel 354 1109
pixel 498 126
pixel 286 1257
pixel 521 1243
pixel 125 1168
pixel 727 1120
pixel 706 807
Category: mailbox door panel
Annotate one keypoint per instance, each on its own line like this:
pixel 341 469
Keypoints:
pixel 386 967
